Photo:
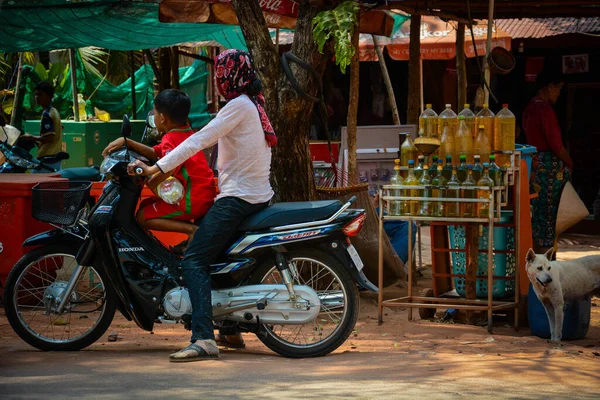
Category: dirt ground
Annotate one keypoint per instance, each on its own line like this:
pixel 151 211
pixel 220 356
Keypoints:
pixel 398 359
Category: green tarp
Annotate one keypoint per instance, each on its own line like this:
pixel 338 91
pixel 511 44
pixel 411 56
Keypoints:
pixel 116 99
pixel 43 25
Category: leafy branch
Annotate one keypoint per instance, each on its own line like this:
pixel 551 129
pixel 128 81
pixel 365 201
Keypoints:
pixel 339 23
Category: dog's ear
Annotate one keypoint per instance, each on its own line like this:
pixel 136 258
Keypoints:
pixel 549 253
pixel 530 255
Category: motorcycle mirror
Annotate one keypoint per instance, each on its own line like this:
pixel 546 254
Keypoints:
pixel 126 127
pixel 150 120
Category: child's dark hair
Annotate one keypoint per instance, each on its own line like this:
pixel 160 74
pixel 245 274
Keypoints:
pixel 175 104
pixel 254 87
pixel 45 87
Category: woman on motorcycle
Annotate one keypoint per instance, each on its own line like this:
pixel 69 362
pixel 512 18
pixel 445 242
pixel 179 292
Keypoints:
pixel 245 136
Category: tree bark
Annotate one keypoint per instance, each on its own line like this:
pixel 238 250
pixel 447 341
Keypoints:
pixel 461 66
pixel 292 170
pixel 164 65
pixel 353 105
pixel 414 70
pixel 174 67
pixel 387 81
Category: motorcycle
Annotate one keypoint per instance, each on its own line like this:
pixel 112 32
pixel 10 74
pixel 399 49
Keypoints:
pixel 19 160
pixel 291 276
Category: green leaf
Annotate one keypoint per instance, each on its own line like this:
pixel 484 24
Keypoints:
pixel 55 70
pixel 338 24
pixel 40 70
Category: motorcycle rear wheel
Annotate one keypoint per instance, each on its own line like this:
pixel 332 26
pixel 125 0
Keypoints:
pixel 339 305
pixel 36 280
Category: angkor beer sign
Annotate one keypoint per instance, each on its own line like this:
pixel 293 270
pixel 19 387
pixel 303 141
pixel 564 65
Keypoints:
pixel 288 8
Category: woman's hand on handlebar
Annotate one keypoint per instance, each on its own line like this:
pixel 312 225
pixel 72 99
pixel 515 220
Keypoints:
pixel 138 168
pixel 113 146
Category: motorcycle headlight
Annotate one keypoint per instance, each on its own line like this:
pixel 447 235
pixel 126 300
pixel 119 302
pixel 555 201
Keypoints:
pixel 107 165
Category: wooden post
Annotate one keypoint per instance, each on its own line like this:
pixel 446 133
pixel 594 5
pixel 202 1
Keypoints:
pixel 73 69
pixel 133 101
pixel 353 104
pixel 461 66
pixel 164 65
pixel 472 235
pixel 387 81
pixel 414 70
pixel 174 67
pixel 13 115
pixel 486 67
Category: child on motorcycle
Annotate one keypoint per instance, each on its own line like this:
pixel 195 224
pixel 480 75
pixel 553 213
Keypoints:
pixel 171 109
pixel 245 136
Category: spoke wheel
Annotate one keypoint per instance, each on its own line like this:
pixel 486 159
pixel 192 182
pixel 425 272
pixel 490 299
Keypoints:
pixel 34 288
pixel 339 305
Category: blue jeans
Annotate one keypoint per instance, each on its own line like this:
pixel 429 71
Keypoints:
pixel 214 234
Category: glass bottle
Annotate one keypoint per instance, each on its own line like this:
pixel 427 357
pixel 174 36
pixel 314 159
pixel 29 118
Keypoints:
pixel 439 191
pixel 468 210
pixel 453 192
pixel 482 145
pixel 477 168
pixel 411 207
pixel 495 172
pixel 462 169
pixel 447 171
pixel 433 166
pixel 396 179
pixel 464 139
pixel 428 121
pixel 408 151
pixel 469 120
pixel 483 209
pixel 420 167
pixel 425 181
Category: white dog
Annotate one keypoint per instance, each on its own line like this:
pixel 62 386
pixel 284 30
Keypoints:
pixel 555 282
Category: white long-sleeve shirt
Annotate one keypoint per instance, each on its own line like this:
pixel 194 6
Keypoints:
pixel 244 161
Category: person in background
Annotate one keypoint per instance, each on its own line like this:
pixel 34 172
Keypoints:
pixel 551 166
pixel 171 109
pixel 49 141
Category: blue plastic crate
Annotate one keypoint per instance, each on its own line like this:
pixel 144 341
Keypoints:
pixel 503 264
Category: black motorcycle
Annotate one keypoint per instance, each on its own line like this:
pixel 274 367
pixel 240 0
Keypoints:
pixel 19 160
pixel 291 276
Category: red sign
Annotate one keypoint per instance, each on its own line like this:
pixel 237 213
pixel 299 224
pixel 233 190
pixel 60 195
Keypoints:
pixel 289 8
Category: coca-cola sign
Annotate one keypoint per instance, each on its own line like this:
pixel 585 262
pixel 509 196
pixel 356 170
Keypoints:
pixel 288 8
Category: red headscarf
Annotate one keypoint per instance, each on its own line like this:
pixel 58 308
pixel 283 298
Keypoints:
pixel 234 71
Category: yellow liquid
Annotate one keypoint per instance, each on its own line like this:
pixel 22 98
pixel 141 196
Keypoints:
pixel 464 145
pixel 504 139
pixel 488 130
pixel 453 209
pixel 408 151
pixel 410 207
pixel 470 122
pixel 429 126
pixel 439 207
pixel 483 209
pixel 482 146
pixel 468 210
pixel 447 146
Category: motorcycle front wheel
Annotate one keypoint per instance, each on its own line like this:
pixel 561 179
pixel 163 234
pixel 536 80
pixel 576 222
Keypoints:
pixel 339 298
pixel 33 289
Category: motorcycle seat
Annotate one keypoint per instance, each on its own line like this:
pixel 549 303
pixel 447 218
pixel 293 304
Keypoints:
pixel 280 214
pixel 81 174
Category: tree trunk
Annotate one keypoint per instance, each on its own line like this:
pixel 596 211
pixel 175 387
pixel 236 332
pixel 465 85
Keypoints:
pixel 174 67
pixel 164 65
pixel 387 81
pixel 461 66
pixel 414 70
pixel 292 170
pixel 353 106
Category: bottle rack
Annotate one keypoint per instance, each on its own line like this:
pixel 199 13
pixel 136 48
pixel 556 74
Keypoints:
pixel 497 199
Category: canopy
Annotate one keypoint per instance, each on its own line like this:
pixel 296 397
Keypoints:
pixel 43 25
pixel 438 41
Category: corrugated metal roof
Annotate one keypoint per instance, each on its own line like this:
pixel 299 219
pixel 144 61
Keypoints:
pixel 537 28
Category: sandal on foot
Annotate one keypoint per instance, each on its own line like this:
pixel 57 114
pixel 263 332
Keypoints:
pixel 201 350
pixel 231 341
